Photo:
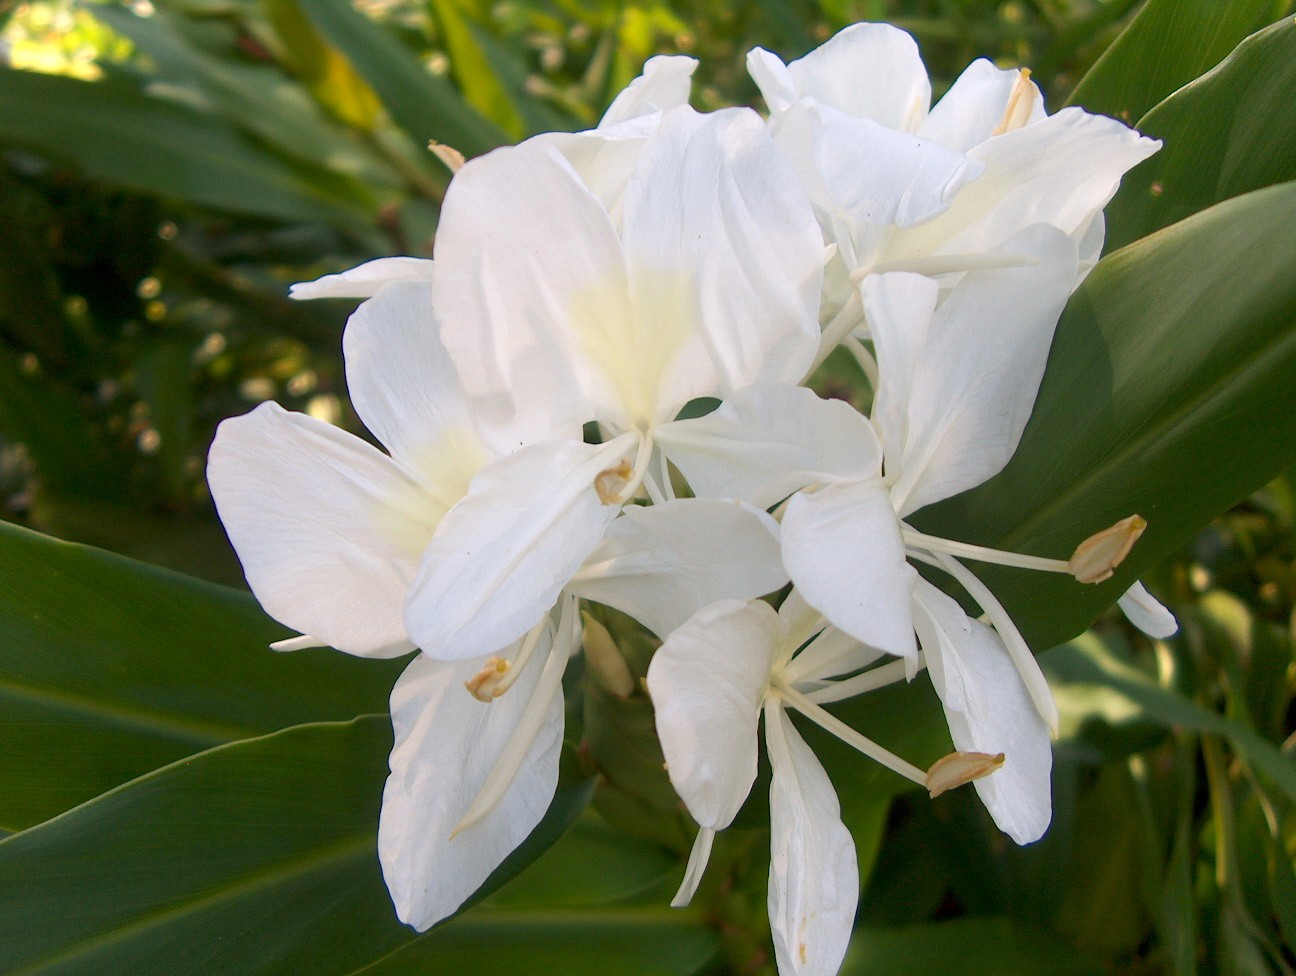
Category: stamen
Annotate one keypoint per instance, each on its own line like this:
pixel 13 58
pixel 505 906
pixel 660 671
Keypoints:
pixel 1020 103
pixel 939 264
pixel 618 484
pixel 871 680
pixel 453 158
pixel 851 315
pixel 1098 556
pixel 830 723
pixel 981 554
pixel 297 643
pixel 697 862
pixel 484 685
pixel 524 655
pixel 959 768
pixel 865 359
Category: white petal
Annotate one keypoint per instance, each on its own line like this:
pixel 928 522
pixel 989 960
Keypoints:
pixel 769 440
pixel 870 71
pixel 1060 171
pixel 404 387
pixel 842 548
pixel 974 381
pixel 501 556
pixel 772 77
pixel 988 710
pixel 530 281
pixel 329 530
pixel 446 744
pixel 905 180
pixel 725 259
pixel 663 85
pixel 814 877
pixel 663 563
pixel 974 106
pixel 899 308
pixel 707 681
pixel 364 280
pixel 1147 613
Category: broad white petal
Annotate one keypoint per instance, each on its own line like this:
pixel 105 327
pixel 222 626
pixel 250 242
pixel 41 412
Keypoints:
pixel 663 563
pixel 870 71
pixel 329 529
pixel 974 382
pixel 968 114
pixel 865 171
pixel 365 279
pixel 842 548
pixel 707 681
pixel 405 389
pixel 501 556
pixel 530 290
pixel 1060 170
pixel 446 744
pixel 725 259
pixel 663 85
pixel 899 310
pixel 814 877
pixel 988 710
pixel 1147 613
pixel 769 440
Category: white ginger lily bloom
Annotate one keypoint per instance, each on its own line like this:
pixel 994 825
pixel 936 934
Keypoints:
pixel 558 317
pixel 899 187
pixel 956 385
pixel 331 533
pixel 710 683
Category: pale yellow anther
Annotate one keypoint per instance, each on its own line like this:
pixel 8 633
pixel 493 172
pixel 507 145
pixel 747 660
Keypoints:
pixel 1021 102
pixel 451 157
pixel 1102 552
pixel 958 768
pixel 605 660
pixel 611 482
pixel 485 684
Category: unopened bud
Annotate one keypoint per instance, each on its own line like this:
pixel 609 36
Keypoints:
pixel 605 660
pixel 1098 556
pixel 611 482
pixel 1021 102
pixel 452 157
pixel 958 768
pixel 485 684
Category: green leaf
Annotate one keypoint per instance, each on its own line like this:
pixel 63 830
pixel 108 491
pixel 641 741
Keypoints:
pixel 1166 394
pixel 976 946
pixel 114 133
pixel 1229 132
pixel 110 668
pixel 472 69
pixel 1086 661
pixel 1167 45
pixel 425 106
pixel 259 856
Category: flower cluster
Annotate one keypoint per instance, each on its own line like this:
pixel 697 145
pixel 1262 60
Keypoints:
pixel 539 390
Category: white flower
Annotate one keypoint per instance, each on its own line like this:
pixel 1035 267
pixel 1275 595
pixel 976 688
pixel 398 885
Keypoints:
pixel 899 187
pixel 558 317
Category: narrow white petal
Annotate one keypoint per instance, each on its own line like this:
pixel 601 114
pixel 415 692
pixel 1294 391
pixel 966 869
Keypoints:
pixel 814 876
pixel 329 529
pixel 870 71
pixel 842 548
pixel 696 867
pixel 725 259
pixel 974 381
pixel 899 308
pixel 1147 613
pixel 364 280
pixel 707 681
pixel 501 556
pixel 772 77
pixel 405 389
pixel 663 563
pixel 769 440
pixel 988 710
pixel 447 742
pixel 968 114
pixel 663 85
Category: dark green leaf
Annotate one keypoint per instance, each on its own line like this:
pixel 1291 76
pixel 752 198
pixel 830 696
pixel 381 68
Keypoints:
pixel 1229 132
pixel 1167 45
pixel 976 946
pixel 110 668
pixel 1167 394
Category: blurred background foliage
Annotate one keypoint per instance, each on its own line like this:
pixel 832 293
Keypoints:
pixel 168 167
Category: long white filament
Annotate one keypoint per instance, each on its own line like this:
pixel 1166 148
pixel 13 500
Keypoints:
pixel 965 550
pixel 834 332
pixel 523 656
pixel 871 680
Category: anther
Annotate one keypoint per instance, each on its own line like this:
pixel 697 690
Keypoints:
pixel 958 768
pixel 1021 101
pixel 611 482
pixel 451 157
pixel 485 684
pixel 1098 556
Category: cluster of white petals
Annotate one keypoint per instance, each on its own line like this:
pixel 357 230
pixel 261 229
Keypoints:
pixel 529 389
